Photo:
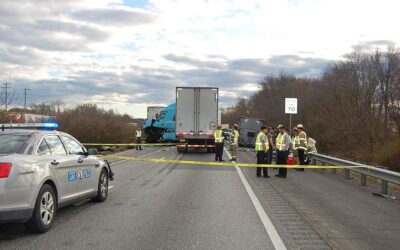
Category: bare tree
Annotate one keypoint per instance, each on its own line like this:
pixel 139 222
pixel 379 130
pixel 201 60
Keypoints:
pixel 7 96
pixel 353 109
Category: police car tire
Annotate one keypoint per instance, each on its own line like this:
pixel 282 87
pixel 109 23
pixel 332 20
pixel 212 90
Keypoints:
pixel 35 224
pixel 100 197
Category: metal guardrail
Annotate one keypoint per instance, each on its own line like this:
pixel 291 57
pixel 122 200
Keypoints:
pixel 385 176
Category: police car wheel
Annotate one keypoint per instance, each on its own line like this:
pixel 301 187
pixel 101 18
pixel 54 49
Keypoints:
pixel 102 191
pixel 44 212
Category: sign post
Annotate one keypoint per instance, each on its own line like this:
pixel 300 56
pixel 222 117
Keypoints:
pixel 290 108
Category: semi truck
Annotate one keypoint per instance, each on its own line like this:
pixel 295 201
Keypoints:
pixel 248 130
pixel 161 128
pixel 196 118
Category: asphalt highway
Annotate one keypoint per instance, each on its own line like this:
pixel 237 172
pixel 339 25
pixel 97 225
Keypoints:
pixel 173 206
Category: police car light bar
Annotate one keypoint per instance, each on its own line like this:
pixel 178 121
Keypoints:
pixel 46 125
pixel 50 125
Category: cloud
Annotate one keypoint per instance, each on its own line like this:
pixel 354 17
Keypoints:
pixel 51 35
pixel 88 32
pixel 193 62
pixel 105 52
pixel 115 16
pixel 300 66
pixel 45 28
pixel 368 45
pixel 18 55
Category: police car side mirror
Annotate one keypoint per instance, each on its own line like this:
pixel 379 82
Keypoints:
pixel 92 151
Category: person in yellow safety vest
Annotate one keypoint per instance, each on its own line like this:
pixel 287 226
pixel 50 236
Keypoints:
pixel 261 149
pixel 138 139
pixel 283 143
pixel 302 146
pixel 235 142
pixel 219 143
pixel 295 141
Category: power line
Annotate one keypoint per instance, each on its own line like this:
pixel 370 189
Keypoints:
pixel 25 91
pixel 6 87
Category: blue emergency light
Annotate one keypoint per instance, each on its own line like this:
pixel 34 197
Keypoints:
pixel 44 126
pixel 50 125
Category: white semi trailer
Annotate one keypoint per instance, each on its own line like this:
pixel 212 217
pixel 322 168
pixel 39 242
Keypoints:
pixel 196 118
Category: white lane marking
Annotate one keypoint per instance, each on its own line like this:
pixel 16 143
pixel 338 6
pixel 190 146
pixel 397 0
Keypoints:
pixel 272 233
pixel 112 163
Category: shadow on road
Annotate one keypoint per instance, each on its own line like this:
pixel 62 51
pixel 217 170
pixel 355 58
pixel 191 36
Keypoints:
pixel 12 231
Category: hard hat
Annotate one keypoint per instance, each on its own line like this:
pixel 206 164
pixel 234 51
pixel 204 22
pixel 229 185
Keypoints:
pixel 300 126
pixel 295 128
pixel 235 126
pixel 280 126
pixel 219 126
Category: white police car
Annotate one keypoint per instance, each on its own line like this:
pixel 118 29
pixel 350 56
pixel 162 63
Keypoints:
pixel 43 170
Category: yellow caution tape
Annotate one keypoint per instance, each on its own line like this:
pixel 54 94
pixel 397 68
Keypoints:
pixel 130 144
pixel 226 164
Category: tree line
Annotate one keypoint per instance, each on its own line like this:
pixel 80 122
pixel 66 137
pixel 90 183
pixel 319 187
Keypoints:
pixel 352 109
pixel 86 122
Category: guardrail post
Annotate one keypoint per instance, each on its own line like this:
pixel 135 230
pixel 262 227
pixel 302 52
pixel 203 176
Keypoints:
pixel 347 173
pixel 322 171
pixel 363 180
pixel 384 187
pixel 314 162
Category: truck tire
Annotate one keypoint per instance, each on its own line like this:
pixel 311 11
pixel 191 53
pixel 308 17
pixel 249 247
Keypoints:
pixel 44 212
pixel 102 187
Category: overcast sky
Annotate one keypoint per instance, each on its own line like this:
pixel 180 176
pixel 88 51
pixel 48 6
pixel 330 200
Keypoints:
pixel 129 54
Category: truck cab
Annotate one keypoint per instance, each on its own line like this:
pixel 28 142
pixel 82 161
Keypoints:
pixel 162 127
pixel 248 130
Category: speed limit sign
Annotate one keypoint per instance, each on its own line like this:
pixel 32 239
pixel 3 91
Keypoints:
pixel 290 105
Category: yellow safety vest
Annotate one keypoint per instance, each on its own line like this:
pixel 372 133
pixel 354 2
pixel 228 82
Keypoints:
pixel 281 141
pixel 296 142
pixel 259 146
pixel 235 137
pixel 138 133
pixel 219 138
pixel 302 140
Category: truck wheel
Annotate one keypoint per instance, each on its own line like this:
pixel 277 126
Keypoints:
pixel 102 188
pixel 44 212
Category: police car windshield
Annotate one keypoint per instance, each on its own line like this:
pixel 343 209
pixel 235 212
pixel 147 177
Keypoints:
pixel 12 143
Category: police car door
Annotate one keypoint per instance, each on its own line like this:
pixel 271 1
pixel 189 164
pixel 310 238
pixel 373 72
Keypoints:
pixel 88 166
pixel 64 168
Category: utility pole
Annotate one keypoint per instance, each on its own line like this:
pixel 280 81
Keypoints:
pixel 25 90
pixel 6 87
